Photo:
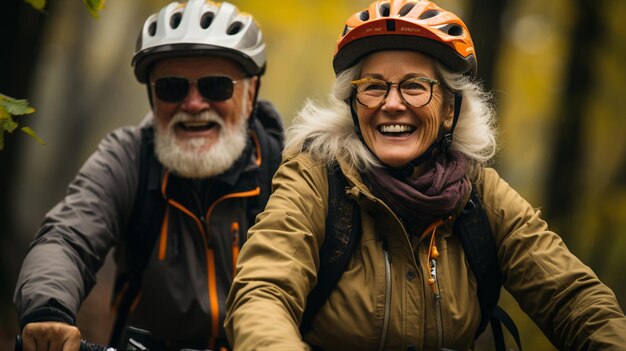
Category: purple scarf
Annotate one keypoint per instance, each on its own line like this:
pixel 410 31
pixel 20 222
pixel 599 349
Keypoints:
pixel 418 201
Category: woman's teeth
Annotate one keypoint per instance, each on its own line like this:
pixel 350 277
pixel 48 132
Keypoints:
pixel 396 128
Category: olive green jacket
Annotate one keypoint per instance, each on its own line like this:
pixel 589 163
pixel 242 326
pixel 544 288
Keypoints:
pixel 383 300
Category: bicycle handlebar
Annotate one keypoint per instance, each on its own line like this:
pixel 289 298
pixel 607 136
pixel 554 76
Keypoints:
pixel 84 345
pixel 87 346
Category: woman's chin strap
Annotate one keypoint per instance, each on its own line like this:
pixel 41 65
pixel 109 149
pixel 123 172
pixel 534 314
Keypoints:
pixel 441 144
pixel 447 137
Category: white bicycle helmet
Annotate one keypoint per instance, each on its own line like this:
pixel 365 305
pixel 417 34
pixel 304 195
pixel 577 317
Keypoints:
pixel 200 27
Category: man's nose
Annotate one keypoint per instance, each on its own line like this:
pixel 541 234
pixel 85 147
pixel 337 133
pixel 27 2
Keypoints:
pixel 194 101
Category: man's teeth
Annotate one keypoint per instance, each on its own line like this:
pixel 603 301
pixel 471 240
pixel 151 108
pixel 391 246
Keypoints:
pixel 396 128
pixel 195 124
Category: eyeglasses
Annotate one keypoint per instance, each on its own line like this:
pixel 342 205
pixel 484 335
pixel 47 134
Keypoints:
pixel 415 91
pixel 212 88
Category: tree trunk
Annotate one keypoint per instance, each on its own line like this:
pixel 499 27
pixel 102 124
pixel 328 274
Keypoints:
pixel 20 47
pixel 565 170
pixel 484 23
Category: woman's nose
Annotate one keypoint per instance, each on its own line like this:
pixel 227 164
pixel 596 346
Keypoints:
pixel 393 100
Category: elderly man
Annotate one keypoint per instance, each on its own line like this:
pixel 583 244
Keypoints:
pixel 174 195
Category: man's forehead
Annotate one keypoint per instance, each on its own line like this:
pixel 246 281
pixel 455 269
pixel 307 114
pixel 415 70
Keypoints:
pixel 204 64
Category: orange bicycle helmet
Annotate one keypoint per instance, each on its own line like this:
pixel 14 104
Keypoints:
pixel 418 25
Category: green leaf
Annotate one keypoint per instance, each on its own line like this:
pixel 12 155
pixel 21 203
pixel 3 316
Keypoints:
pixel 9 108
pixel 94 6
pixel 37 4
pixel 15 106
pixel 30 132
pixel 7 124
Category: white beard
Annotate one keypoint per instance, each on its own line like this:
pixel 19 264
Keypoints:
pixel 191 159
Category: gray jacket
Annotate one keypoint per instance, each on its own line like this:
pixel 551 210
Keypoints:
pixel 189 273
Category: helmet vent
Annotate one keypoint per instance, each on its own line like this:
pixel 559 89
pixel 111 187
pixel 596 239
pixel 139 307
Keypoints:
pixel 406 9
pixel 429 14
pixel 364 15
pixel 453 30
pixel 206 20
pixel 346 29
pixel 234 28
pixel 384 9
pixel 152 29
pixel 175 20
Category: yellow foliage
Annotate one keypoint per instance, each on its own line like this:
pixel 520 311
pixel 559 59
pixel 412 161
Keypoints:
pixel 300 37
pixel 94 6
pixel 37 4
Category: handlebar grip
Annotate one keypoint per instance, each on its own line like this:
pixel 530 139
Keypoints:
pixel 84 345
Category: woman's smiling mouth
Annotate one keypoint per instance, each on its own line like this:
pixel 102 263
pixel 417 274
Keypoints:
pixel 396 129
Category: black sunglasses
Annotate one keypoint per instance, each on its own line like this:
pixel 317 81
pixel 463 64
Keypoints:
pixel 212 88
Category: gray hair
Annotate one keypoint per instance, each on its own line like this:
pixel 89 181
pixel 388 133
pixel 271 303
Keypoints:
pixel 328 132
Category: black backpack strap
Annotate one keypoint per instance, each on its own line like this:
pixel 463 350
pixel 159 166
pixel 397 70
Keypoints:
pixel 343 233
pixel 498 318
pixel 472 228
pixel 142 232
pixel 268 128
pixel 480 249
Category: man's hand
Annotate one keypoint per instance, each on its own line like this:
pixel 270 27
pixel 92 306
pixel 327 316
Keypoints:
pixel 50 336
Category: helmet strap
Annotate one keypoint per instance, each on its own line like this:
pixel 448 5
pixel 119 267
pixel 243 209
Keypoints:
pixel 443 143
pixel 447 137
pixel 254 100
pixel 150 95
pixel 355 120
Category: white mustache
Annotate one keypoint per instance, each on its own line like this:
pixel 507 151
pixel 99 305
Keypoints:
pixel 204 116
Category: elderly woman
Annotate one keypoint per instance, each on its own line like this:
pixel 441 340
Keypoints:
pixel 411 131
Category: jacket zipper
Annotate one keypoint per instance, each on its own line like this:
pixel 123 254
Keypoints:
pixel 213 299
pixel 433 280
pixel 437 299
pixel 203 227
pixel 387 310
pixel 234 229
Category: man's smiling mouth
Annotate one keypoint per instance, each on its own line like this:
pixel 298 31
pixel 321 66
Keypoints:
pixel 196 125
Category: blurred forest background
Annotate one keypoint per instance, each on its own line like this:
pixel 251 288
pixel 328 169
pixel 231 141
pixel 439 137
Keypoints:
pixel 556 68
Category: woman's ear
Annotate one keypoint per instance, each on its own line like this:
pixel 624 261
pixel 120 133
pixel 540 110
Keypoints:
pixel 449 116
